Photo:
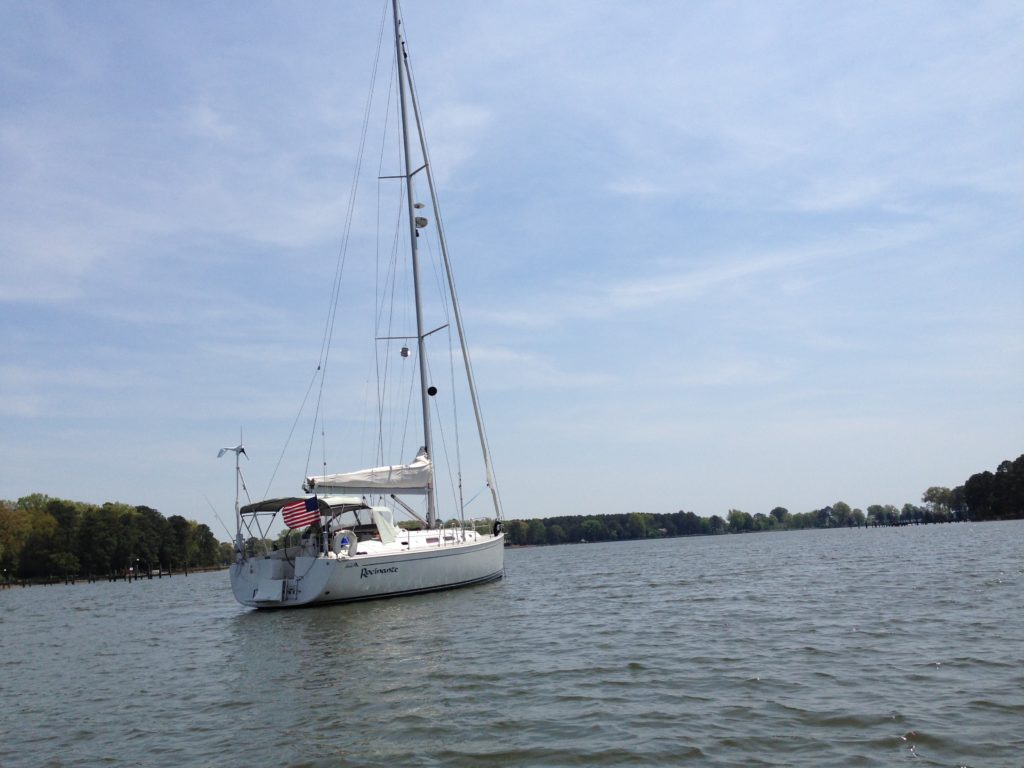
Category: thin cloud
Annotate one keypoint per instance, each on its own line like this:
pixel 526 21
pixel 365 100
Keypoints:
pixel 729 240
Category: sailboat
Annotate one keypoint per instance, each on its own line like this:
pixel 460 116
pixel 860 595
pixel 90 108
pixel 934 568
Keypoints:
pixel 349 546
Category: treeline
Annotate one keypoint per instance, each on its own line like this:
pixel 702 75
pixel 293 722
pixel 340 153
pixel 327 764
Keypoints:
pixel 984 496
pixel 42 537
pixel 993 496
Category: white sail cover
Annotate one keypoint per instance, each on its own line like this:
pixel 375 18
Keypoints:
pixel 412 478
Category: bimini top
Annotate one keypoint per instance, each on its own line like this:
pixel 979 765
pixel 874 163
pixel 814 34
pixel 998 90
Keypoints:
pixel 412 478
pixel 330 504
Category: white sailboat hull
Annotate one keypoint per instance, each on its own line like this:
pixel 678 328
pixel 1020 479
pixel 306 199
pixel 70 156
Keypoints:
pixel 312 579
pixel 338 560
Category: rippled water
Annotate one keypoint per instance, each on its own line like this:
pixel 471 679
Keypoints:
pixel 845 648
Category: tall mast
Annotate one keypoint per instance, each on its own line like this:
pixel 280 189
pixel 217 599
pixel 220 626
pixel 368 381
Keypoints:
pixel 413 236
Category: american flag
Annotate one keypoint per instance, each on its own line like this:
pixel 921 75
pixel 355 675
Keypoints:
pixel 300 513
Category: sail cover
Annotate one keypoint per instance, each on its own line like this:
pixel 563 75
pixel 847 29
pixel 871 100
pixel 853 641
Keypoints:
pixel 412 478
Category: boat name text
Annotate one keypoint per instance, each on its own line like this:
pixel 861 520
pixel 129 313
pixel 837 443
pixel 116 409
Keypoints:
pixel 367 572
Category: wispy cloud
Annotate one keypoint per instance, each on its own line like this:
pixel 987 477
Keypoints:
pixel 752 240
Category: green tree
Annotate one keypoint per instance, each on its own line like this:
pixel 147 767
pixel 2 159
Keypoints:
pixel 739 521
pixel 881 514
pixel 994 496
pixel 592 529
pixel 911 514
pixel 689 524
pixel 637 525
pixel 98 540
pixel 556 535
pixel 207 548
pixel 841 514
pixel 181 542
pixel 536 533
pixel 15 527
pixel 64 564
pixel 41 541
pixel 153 543
pixel 65 538
pixel 939 502
pixel 516 531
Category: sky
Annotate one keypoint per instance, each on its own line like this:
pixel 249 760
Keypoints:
pixel 710 255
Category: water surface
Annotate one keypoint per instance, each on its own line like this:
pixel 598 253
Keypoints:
pixel 842 647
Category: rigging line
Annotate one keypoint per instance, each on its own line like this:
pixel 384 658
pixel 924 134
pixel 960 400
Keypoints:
pixel 386 447
pixel 477 494
pixel 241 477
pixel 212 509
pixel 455 419
pixel 470 375
pixel 385 315
pixel 379 292
pixel 382 385
pixel 444 448
pixel 332 313
pixel 291 432
pixel 436 259
pixel 408 412
pixel 366 411
pixel 402 299
pixel 325 344
pixel 323 442
pixel 380 174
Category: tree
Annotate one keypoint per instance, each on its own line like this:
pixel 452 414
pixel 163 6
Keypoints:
pixel 739 521
pixel 556 535
pixel 883 514
pixel 97 540
pixel 15 526
pixel 181 541
pixel 39 544
pixel 689 524
pixel 64 564
pixel 637 525
pixel 515 532
pixel 592 529
pixel 153 543
pixel 910 514
pixel 65 539
pixel 42 536
pixel 536 532
pixel 207 549
pixel 781 514
pixel 994 496
pixel 939 501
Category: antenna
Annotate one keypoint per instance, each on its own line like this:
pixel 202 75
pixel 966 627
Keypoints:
pixel 238 450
